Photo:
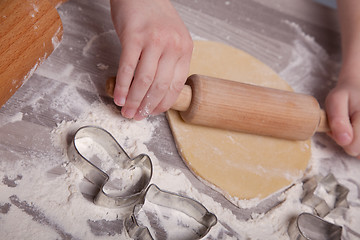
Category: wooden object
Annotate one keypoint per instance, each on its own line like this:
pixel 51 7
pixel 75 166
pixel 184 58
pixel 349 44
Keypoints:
pixel 252 109
pixel 240 165
pixel 29 32
pixel 247 108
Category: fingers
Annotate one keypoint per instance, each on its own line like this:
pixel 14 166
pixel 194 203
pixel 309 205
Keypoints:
pixel 159 77
pixel 338 116
pixel 342 105
pixel 143 79
pixel 159 87
pixel 180 76
pixel 153 45
pixel 353 148
pixel 127 65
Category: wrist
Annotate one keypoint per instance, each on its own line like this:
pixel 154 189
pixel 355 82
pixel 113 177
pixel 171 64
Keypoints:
pixel 350 72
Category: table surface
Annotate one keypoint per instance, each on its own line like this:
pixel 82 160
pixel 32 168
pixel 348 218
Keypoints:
pixel 297 39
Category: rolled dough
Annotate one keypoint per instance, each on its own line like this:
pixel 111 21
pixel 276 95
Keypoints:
pixel 241 165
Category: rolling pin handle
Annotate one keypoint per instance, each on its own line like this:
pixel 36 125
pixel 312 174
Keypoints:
pixel 110 86
pixel 323 123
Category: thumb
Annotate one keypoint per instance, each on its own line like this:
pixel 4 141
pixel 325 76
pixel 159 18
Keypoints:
pixel 338 117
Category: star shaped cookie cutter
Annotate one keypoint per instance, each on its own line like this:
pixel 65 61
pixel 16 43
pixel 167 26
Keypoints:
pixel 139 193
pixel 319 189
pixel 324 195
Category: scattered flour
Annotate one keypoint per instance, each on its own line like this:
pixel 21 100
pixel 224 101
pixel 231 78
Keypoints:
pixel 56 39
pixel 307 57
pixel 65 211
pixel 156 217
pixel 32 70
pixel 94 39
pixel 50 197
pixel 102 66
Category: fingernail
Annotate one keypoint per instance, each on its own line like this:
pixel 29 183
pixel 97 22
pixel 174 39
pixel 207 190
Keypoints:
pixel 129 113
pixel 353 154
pixel 120 101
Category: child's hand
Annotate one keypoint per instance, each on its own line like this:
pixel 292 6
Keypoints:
pixel 343 110
pixel 343 102
pixel 155 57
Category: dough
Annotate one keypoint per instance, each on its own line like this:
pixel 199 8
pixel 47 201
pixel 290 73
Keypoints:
pixel 241 165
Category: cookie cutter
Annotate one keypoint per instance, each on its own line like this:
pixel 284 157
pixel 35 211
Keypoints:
pixel 310 227
pixel 141 193
pixel 100 178
pixel 317 190
pixel 189 207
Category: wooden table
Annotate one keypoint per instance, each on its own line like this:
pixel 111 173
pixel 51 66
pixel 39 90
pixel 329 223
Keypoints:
pixel 278 32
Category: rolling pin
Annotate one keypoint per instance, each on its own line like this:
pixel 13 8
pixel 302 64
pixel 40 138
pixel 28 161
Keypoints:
pixel 247 108
pixel 29 32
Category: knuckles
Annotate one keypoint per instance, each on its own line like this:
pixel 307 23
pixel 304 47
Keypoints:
pixel 127 69
pixel 176 87
pixel 171 39
pixel 162 108
pixel 145 80
pixel 161 87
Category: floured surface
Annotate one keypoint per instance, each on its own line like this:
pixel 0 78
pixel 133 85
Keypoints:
pixel 243 166
pixel 45 197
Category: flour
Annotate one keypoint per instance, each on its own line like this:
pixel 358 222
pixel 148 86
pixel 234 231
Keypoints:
pixel 66 200
pixel 156 217
pixel 59 197
pixel 50 196
pixel 56 39
pixel 122 178
pixel 122 182
pixel 96 39
pixel 102 66
pixel 95 153
pixel 32 70
pixel 307 56
pixel 12 118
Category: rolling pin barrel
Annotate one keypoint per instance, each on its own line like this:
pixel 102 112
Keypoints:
pixel 247 108
pixel 251 109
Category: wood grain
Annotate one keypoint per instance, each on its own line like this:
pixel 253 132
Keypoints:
pixel 258 27
pixel 240 107
pixel 29 31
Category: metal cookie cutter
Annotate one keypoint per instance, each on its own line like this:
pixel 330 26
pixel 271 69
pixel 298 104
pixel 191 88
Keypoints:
pixel 317 189
pixel 126 197
pixel 185 218
pixel 310 227
pixel 324 195
pixel 191 216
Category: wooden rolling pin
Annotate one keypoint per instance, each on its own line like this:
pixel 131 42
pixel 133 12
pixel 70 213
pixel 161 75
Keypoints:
pixel 247 108
pixel 29 31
